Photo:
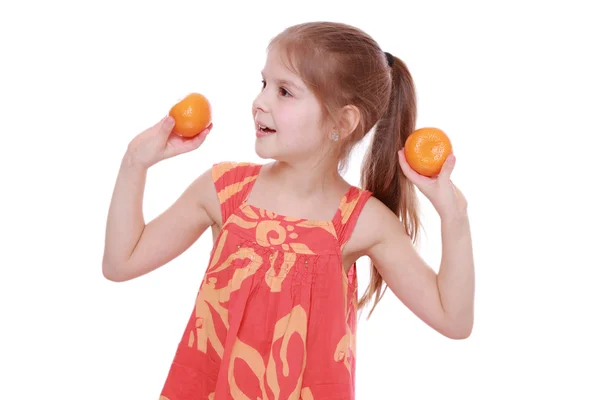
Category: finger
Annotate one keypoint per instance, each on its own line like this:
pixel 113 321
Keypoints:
pixel 182 145
pixel 157 126
pixel 410 173
pixel 406 168
pixel 448 167
pixel 196 141
pixel 208 128
pixel 201 137
pixel 167 124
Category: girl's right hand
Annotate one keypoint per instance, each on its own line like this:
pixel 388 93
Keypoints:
pixel 158 143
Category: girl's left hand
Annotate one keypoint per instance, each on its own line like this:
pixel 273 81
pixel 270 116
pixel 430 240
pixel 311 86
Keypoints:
pixel 445 197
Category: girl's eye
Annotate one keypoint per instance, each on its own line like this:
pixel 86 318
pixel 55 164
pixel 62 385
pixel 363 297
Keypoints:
pixel 282 90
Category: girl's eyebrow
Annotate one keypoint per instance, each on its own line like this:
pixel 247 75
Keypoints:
pixel 283 82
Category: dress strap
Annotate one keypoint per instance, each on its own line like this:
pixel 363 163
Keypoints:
pixel 233 182
pixel 347 215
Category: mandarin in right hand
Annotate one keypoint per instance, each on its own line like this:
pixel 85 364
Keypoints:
pixel 192 115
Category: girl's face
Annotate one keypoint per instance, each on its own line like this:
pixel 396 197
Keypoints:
pixel 287 116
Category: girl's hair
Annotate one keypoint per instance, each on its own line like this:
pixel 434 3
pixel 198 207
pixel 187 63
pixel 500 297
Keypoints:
pixel 342 65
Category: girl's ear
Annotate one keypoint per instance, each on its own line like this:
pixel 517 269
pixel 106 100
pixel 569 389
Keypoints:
pixel 347 120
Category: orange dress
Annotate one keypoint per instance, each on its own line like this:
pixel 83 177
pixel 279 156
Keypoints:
pixel 275 315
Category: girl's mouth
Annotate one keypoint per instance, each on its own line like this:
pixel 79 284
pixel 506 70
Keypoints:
pixel 264 131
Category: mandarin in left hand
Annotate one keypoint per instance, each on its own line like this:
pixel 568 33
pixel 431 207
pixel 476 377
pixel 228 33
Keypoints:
pixel 426 150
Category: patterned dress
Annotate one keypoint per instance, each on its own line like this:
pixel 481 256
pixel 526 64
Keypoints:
pixel 275 315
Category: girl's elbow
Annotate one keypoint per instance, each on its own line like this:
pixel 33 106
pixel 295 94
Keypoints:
pixel 459 330
pixel 112 273
pixel 459 334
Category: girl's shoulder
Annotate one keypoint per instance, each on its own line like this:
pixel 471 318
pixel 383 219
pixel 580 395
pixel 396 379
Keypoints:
pixel 233 181
pixel 225 173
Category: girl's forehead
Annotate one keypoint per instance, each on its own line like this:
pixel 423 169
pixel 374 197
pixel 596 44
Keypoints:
pixel 277 68
pixel 276 60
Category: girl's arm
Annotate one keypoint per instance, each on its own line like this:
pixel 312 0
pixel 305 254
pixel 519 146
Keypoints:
pixel 134 248
pixel 444 300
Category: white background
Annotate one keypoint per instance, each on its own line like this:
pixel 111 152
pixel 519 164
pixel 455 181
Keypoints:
pixel 514 84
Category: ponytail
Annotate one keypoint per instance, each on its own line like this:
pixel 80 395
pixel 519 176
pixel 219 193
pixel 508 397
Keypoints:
pixel 381 173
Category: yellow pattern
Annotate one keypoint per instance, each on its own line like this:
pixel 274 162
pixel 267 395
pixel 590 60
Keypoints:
pixel 273 280
pixel 220 169
pixel 295 322
pixel 343 348
pixel 270 232
pixel 234 219
pixel 254 360
pixel 249 213
pixel 264 231
pixel 205 327
pixel 218 250
pixel 301 248
pixel 347 208
pixel 228 191
pixel 306 394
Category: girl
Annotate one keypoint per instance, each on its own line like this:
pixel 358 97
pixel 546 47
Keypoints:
pixel 275 315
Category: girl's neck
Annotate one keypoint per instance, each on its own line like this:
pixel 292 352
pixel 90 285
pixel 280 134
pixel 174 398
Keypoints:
pixel 305 181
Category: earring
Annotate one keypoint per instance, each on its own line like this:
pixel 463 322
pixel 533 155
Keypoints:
pixel 335 137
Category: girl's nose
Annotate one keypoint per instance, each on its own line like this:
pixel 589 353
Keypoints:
pixel 259 104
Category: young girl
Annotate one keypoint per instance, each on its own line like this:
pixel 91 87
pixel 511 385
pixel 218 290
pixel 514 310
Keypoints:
pixel 275 316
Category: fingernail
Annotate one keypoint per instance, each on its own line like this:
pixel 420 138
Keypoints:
pixel 169 120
